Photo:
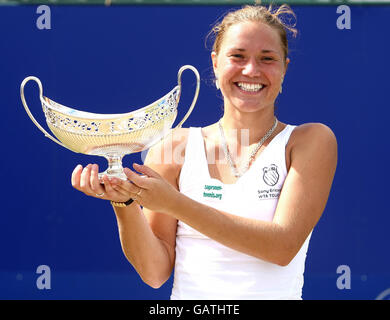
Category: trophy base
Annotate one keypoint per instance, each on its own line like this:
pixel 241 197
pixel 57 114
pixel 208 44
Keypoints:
pixel 114 170
pixel 121 176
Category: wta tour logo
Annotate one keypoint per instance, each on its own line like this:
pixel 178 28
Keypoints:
pixel 271 175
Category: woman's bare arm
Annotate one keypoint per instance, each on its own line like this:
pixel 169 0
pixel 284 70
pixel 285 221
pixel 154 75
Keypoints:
pixel 147 236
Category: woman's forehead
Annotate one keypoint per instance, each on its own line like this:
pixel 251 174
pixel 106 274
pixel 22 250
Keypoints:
pixel 248 35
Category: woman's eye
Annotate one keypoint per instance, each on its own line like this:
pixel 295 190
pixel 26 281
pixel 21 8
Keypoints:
pixel 237 55
pixel 268 59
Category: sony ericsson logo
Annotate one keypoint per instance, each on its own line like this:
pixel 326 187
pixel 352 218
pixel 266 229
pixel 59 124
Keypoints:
pixel 271 175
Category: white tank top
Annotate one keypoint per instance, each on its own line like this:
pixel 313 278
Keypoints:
pixel 206 269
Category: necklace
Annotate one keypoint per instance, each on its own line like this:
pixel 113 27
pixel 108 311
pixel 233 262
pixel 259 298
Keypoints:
pixel 233 168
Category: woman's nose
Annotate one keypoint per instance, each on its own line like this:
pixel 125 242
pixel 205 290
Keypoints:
pixel 251 69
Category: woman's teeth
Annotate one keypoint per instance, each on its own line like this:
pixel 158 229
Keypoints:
pixel 252 87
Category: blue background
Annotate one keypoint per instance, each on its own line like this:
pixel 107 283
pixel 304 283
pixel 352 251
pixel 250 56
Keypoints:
pixel 117 59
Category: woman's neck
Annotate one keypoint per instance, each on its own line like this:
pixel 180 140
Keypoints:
pixel 249 126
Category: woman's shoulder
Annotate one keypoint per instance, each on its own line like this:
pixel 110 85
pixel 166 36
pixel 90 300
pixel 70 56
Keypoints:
pixel 312 138
pixel 313 132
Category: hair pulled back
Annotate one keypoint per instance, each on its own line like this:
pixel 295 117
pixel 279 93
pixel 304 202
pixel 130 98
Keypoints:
pixel 281 18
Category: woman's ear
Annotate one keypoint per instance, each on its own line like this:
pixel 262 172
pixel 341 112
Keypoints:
pixel 214 61
pixel 286 65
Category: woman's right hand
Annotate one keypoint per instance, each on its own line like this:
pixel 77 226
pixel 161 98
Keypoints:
pixel 87 181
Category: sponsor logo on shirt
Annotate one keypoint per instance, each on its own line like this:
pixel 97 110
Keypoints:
pixel 208 192
pixel 271 175
pixel 270 178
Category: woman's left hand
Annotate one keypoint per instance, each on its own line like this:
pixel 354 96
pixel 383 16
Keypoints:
pixel 154 193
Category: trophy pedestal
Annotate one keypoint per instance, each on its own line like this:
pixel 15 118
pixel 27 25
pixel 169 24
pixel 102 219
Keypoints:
pixel 114 169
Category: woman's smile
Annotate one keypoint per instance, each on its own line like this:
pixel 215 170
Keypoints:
pixel 249 87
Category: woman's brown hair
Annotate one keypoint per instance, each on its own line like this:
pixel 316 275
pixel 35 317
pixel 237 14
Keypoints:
pixel 282 19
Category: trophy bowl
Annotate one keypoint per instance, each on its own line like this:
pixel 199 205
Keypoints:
pixel 111 135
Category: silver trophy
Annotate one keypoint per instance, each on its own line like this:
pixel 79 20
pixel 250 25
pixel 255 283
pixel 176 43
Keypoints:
pixel 111 135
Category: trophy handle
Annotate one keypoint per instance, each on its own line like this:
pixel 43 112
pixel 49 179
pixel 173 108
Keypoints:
pixel 47 135
pixel 196 91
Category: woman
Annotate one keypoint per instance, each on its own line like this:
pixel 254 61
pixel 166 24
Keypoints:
pixel 237 225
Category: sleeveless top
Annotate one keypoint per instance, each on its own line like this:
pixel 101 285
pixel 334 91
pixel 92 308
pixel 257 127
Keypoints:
pixel 206 269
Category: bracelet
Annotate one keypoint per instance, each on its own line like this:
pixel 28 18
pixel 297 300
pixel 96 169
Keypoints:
pixel 122 204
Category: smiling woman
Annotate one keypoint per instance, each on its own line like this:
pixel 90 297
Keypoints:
pixel 237 225
pixel 257 39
